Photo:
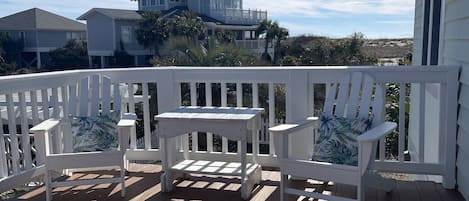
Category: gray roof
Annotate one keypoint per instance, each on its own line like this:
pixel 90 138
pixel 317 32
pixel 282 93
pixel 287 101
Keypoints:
pixel 117 14
pixel 38 19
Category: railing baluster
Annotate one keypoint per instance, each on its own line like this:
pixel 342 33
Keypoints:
pixel 3 158
pixel 25 139
pixel 195 135
pixel 239 103
pixel 402 109
pixel 146 116
pixel 271 116
pixel 184 138
pixel 255 104
pixel 208 102
pixel 421 123
pixel 224 142
pixel 131 102
pixel 15 161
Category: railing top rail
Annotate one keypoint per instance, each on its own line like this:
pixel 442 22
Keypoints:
pixel 279 74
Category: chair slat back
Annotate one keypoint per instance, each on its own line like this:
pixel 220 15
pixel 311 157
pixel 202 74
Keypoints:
pixel 356 96
pixel 94 93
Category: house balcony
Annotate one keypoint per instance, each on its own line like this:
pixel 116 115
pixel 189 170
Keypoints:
pixel 238 16
pixel 421 154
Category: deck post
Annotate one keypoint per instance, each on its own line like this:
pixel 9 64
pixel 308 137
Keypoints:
pixel 450 117
pixel 298 105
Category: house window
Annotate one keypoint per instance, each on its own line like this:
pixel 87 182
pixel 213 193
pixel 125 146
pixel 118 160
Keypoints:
pixel 162 2
pixel 152 2
pixel 126 34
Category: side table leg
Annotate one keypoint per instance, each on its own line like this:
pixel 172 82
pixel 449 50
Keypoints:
pixel 166 179
pixel 245 191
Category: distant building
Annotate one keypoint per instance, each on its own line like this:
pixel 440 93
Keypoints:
pixel 109 29
pixel 41 31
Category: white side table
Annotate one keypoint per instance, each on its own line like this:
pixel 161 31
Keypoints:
pixel 233 123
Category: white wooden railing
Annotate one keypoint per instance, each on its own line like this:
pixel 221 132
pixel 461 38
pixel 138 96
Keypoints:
pixel 26 100
pixel 239 16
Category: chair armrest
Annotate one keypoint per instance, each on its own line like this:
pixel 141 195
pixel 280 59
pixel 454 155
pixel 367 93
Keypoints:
pixel 127 120
pixel 46 125
pixel 293 127
pixel 377 132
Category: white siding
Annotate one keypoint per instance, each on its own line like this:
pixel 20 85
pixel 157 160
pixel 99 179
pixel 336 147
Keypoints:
pixel 455 47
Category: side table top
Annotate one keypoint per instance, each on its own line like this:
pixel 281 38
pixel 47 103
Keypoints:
pixel 211 113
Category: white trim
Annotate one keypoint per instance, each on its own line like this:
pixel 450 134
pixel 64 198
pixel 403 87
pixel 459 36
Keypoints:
pixel 114 34
pixel 230 27
pixel 100 53
pixel 442 32
pixel 430 33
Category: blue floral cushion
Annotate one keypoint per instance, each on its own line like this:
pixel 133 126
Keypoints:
pixel 95 133
pixel 337 141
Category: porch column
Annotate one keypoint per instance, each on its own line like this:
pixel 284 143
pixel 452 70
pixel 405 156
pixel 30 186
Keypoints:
pixel 90 61
pixel 136 60
pixel 38 59
pixel 102 62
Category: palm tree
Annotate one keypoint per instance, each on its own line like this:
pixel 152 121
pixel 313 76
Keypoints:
pixel 153 30
pixel 188 25
pixel 180 51
pixel 280 34
pixel 265 27
pixel 225 37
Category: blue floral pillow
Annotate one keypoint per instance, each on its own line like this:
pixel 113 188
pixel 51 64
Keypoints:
pixel 95 133
pixel 337 142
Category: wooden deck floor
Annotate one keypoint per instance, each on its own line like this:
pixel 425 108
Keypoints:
pixel 143 183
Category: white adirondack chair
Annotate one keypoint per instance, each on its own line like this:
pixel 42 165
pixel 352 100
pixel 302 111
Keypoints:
pixel 94 97
pixel 355 98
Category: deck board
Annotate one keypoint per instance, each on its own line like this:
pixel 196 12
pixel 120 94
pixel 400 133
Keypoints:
pixel 143 183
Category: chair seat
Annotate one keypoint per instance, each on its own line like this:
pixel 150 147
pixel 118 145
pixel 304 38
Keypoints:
pixel 320 170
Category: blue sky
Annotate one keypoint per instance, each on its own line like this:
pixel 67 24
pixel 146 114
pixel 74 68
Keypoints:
pixel 333 18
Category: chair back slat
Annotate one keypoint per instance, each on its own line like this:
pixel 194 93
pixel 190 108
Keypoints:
pixel 378 104
pixel 331 90
pixel 116 98
pixel 54 99
pixel 106 95
pixel 366 95
pixel 94 86
pixel 343 96
pixel 355 90
pixel 84 96
pixel 72 99
pixel 356 96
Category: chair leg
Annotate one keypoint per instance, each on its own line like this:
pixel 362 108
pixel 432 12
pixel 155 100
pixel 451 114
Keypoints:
pixel 48 182
pixel 361 189
pixel 283 183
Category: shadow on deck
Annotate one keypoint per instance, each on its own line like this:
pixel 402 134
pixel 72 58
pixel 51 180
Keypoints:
pixel 143 183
